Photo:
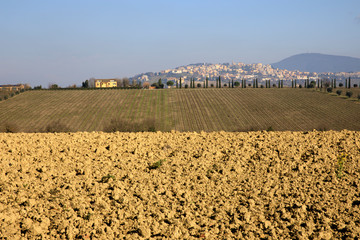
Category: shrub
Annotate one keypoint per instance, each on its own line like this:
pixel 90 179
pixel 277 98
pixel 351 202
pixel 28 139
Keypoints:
pixel 341 85
pixel 237 84
pixel 199 85
pixel 157 164
pixel 340 165
pixel 56 126
pixel 9 128
pixel 349 94
pixel 261 86
pixel 107 178
pixel 12 94
pixel 338 92
pixel 329 89
pixel 186 86
pixel 170 83
pixel 6 97
pixel 359 96
pixel 322 127
pixel 121 125
pixel 355 85
pixel 300 86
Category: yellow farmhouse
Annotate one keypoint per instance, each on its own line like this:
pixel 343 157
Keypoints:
pixel 105 83
pixel 9 87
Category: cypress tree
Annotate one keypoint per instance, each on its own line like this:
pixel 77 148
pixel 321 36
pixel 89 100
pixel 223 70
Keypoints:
pixel 180 82
pixel 282 83
pixel 253 83
pixel 346 83
pixel 232 83
pixel 177 84
pixel 349 82
pixel 334 82
pixel 318 83
pixel 244 83
pixel 219 82
pixel 321 86
pixel 207 82
pixel 257 85
pixel 292 83
pixel 279 84
pixel 295 83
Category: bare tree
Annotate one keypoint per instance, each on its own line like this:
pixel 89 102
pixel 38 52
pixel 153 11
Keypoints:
pixel 126 82
pixel 146 85
pixel 92 82
pixel 118 82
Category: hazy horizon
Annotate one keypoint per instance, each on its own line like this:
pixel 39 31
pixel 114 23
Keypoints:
pixel 67 42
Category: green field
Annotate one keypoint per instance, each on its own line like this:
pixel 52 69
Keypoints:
pixel 183 109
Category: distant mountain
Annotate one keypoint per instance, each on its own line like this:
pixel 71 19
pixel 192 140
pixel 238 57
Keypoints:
pixel 316 62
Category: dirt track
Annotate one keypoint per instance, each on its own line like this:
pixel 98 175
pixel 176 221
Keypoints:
pixel 271 185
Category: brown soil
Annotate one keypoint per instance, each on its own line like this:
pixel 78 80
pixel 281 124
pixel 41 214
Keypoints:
pixel 270 185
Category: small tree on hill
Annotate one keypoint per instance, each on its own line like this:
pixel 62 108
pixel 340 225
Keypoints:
pixel 170 83
pixel 85 84
pixel 236 84
pixel 53 86
pixel 349 94
pixel 338 92
pixel 199 85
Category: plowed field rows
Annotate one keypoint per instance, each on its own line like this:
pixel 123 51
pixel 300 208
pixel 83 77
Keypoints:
pixel 218 185
pixel 183 109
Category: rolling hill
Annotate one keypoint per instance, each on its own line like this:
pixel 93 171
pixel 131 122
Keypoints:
pixel 316 62
pixel 182 109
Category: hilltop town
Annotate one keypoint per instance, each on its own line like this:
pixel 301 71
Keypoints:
pixel 237 71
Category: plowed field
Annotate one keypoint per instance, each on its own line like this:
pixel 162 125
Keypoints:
pixel 219 185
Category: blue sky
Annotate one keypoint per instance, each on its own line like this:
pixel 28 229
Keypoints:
pixel 67 41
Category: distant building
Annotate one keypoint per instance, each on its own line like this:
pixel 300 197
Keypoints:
pixel 105 83
pixel 10 87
